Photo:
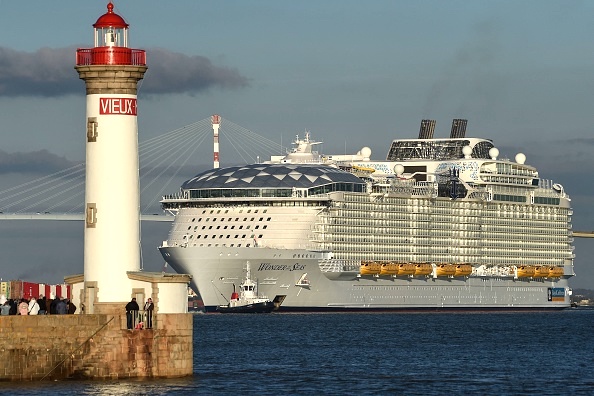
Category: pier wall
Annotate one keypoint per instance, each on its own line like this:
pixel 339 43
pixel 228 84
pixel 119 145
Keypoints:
pixel 53 347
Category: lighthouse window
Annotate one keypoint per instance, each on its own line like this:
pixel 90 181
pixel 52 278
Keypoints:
pixel 190 227
pixel 243 236
pixel 249 211
pixel 203 227
pixel 268 219
pixel 252 219
pixel 257 227
pixel 260 236
pixel 261 218
pixel 194 219
pixel 92 129
pixel 265 227
pixel 210 227
pixel 218 227
pixel 218 211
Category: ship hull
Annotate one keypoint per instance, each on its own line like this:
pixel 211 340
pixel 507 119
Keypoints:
pixel 279 274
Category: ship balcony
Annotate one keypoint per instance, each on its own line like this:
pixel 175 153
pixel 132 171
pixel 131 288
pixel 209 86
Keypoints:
pixel 110 56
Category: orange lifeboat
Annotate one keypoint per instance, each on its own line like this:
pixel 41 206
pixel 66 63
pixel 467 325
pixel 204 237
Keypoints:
pixel 406 269
pixel 463 270
pixel 370 268
pixel 525 271
pixel 541 271
pixel 556 272
pixel 423 269
pixel 389 269
pixel 445 269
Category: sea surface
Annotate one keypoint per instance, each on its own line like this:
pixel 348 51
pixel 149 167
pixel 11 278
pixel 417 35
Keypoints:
pixel 539 353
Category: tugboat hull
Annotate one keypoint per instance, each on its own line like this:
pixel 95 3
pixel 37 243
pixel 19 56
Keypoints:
pixel 262 307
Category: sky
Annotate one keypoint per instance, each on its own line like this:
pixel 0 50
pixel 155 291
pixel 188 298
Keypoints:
pixel 353 73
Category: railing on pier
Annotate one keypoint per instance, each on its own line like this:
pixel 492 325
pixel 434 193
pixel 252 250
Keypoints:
pixel 142 320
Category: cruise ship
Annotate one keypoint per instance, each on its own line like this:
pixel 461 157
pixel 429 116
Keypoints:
pixel 440 224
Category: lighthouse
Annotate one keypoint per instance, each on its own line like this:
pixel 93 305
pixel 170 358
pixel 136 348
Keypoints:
pixel 111 71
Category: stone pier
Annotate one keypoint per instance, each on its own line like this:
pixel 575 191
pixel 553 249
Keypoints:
pixel 94 346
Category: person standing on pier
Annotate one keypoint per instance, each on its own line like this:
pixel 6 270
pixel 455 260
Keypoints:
pixel 131 313
pixel 148 311
pixel 23 307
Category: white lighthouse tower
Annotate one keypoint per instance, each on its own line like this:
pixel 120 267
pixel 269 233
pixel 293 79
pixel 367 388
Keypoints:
pixel 111 71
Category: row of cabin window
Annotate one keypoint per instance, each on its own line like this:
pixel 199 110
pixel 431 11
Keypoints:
pixel 230 219
pixel 214 236
pixel 225 227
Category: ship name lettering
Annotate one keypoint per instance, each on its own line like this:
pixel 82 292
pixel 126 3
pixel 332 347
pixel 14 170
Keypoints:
pixel 272 267
pixel 280 267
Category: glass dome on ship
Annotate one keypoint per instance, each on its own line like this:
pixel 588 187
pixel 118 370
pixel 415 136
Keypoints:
pixel 271 180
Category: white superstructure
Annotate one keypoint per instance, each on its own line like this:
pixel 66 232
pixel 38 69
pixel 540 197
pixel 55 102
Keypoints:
pixel 441 223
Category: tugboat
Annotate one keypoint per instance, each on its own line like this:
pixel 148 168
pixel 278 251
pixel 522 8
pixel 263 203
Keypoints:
pixel 247 300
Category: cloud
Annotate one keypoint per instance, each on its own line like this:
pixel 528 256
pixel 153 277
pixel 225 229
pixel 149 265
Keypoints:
pixel 46 72
pixel 49 72
pixel 171 72
pixel 42 162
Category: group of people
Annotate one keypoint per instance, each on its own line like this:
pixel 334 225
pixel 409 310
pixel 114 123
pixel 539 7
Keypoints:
pixel 40 306
pixel 139 320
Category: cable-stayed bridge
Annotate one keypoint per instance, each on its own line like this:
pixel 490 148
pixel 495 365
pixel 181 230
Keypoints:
pixel 166 161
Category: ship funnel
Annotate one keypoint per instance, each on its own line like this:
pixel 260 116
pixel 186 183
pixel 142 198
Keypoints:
pixel 458 128
pixel 427 129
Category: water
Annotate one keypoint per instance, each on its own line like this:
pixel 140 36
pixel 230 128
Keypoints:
pixel 376 354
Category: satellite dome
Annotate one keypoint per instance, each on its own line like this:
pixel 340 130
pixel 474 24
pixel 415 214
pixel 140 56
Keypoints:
pixel 493 153
pixel 366 152
pixel 520 158
pixel 467 151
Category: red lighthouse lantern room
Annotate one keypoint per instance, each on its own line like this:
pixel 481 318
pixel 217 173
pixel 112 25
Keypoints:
pixel 111 43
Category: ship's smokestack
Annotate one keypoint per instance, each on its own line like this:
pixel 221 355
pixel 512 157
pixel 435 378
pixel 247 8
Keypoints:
pixel 458 128
pixel 427 129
